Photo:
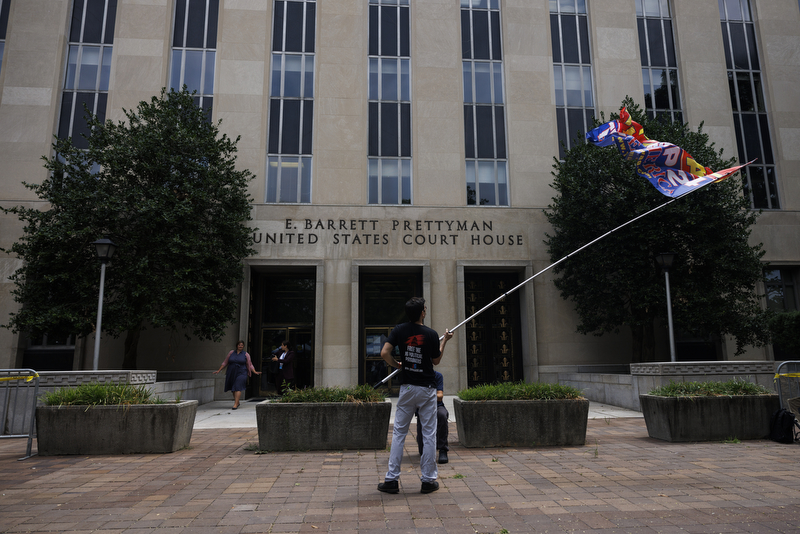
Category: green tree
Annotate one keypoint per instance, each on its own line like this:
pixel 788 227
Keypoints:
pixel 163 186
pixel 615 282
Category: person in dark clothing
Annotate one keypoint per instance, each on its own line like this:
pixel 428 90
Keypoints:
pixel 442 415
pixel 284 378
pixel 239 369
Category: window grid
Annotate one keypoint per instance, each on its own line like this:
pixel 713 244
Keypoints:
pixel 88 67
pixel 572 71
pixel 659 63
pixel 485 149
pixel 194 44
pixel 781 289
pixel 389 103
pixel 4 6
pixel 750 116
pixel 291 113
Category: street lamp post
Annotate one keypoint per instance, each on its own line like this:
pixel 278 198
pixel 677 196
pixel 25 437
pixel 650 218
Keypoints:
pixel 105 249
pixel 664 260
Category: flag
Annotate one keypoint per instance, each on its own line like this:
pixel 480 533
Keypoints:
pixel 669 168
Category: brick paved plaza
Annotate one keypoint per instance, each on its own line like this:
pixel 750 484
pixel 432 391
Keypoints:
pixel 620 481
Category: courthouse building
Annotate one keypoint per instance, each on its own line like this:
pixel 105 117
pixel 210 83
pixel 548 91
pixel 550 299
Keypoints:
pixel 405 148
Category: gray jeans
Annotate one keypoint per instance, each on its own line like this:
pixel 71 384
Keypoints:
pixel 413 399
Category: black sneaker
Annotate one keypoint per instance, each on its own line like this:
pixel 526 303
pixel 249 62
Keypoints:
pixel 390 486
pixel 442 456
pixel 429 487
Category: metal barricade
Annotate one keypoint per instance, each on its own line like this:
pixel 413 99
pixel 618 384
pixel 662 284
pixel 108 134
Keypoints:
pixel 19 389
pixel 787 383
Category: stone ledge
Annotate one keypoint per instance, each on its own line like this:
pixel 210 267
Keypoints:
pixel 702 368
pixel 57 379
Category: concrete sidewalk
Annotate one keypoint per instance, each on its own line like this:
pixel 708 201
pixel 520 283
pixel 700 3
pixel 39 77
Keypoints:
pixel 619 481
pixel 218 414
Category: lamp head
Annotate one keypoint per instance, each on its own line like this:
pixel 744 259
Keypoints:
pixel 105 249
pixel 665 259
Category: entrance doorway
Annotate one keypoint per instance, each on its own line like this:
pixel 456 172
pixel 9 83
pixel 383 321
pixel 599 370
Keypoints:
pixel 494 341
pixel 382 299
pixel 282 308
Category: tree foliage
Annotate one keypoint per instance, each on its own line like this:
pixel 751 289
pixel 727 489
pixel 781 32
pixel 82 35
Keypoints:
pixel 615 282
pixel 162 184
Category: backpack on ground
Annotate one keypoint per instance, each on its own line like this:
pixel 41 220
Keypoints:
pixel 782 426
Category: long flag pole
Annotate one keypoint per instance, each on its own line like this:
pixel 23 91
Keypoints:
pixel 590 243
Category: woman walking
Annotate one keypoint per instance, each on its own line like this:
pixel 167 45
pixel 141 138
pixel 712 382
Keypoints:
pixel 239 368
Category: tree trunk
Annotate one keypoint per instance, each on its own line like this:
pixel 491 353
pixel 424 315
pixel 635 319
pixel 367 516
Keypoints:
pixel 643 340
pixel 131 347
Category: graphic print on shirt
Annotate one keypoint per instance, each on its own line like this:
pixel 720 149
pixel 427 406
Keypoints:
pixel 413 354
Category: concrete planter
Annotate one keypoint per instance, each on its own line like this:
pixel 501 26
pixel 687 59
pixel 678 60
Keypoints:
pixel 524 423
pixel 134 429
pixel 708 418
pixel 305 426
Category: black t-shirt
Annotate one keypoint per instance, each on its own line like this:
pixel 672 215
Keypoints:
pixel 418 345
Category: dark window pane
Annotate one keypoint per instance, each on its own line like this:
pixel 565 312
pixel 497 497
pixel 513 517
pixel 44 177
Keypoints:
pixel 480 34
pixel 102 100
pixel 388 31
pixel 486 192
pixel 290 136
pixel 79 126
pixel 469 132
pixel 759 93
pixel 751 43
pixel 773 188
pixel 93 23
pixel 500 131
pixel 569 37
pixel 389 187
pixel 661 90
pixel 195 25
pixel 66 112
pixel 759 188
pixel 389 134
pixel 405 50
pixel 732 88
pixel 308 121
pixel 75 27
pixel 373 129
pixel 583 26
pixel 208 107
pixel 274 125
pixel 676 94
pixel 727 45
pixel 277 27
pixel 466 42
pixel 671 60
pixel 563 140
pixel 485 128
pixel 739 47
pixel 180 14
pixel 555 38
pixel 213 18
pixel 575 124
pixel 642 42
pixel 373 30
pixel 405 129
pixel 737 128
pixel 294 27
pixel 311 26
pixel 497 53
pixel 751 140
pixel 745 92
pixel 4 19
pixel 111 19
pixel 765 139
pixel 656 41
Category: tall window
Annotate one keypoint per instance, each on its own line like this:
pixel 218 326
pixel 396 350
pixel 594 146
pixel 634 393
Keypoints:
pixel 484 110
pixel 194 48
pixel 782 296
pixel 572 70
pixel 389 151
pixel 91 38
pixel 291 104
pixel 747 99
pixel 4 5
pixel 659 66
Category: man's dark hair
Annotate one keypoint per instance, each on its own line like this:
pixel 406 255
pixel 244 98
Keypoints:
pixel 414 308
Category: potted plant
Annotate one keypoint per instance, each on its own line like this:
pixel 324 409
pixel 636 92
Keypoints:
pixel 324 419
pixel 709 411
pixel 521 415
pixel 111 419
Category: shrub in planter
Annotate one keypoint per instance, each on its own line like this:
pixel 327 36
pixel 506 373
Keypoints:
pixel 111 419
pixel 708 411
pixel 521 415
pixel 324 419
